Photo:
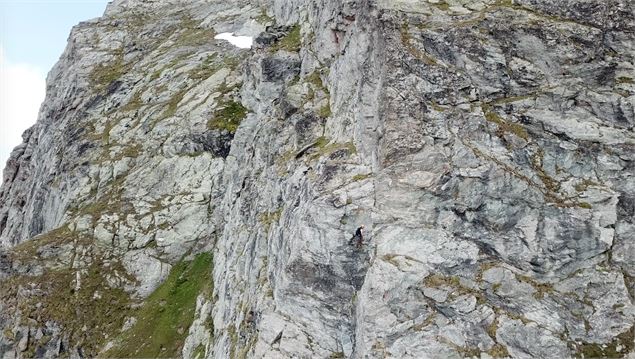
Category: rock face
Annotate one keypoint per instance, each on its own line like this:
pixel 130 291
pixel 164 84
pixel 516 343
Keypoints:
pixel 179 196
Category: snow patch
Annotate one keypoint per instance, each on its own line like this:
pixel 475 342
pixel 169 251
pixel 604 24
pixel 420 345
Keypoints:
pixel 243 42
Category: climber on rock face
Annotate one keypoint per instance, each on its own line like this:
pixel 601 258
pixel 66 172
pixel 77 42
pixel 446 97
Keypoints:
pixel 359 236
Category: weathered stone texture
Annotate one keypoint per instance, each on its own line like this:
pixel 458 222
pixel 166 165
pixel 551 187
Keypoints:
pixel 487 146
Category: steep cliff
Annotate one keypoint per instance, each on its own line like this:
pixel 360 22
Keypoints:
pixel 180 196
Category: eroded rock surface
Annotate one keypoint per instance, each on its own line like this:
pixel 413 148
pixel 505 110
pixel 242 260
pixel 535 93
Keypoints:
pixel 486 145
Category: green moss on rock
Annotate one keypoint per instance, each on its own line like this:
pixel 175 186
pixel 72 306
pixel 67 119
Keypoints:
pixel 199 352
pixel 134 104
pixel 173 103
pixel 193 34
pixel 504 126
pixel 323 147
pixel 104 74
pixel 269 218
pixel 316 80
pixel 207 68
pixel 361 177
pixel 292 42
pixel 325 111
pixel 88 303
pixel 498 351
pixel 265 19
pixel 31 249
pixel 618 348
pixel 409 44
pixel 228 117
pixel 541 288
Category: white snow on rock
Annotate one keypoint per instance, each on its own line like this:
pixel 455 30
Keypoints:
pixel 243 42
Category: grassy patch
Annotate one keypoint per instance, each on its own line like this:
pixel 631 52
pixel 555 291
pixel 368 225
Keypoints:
pixel 228 117
pixel 361 177
pixel 585 184
pixel 618 348
pixel 9 334
pixel 282 162
pixel 316 80
pixel 206 69
pixel 29 249
pixel 406 40
pixel 233 337
pixel 436 107
pixel 504 126
pixel 264 19
pixel 132 151
pixel 325 111
pixel 437 281
pixel 624 80
pixel 192 34
pixel 172 104
pixel 321 142
pixel 492 329
pixel 170 65
pixel 105 134
pixel 88 303
pixel 232 61
pixel 323 147
pixel 244 350
pixel 103 75
pixel 442 5
pixel 549 182
pixel 225 89
pixel 199 352
pixel 134 104
pixel 541 288
pixel 469 352
pixel 498 351
pixel 291 42
pixel 269 218
pixel 163 320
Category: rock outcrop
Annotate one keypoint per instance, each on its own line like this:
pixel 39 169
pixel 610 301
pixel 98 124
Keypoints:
pixel 180 196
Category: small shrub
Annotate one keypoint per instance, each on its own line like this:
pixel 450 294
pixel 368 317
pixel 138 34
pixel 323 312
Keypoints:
pixel 325 111
pixel 361 177
pixel 228 117
pixel 292 42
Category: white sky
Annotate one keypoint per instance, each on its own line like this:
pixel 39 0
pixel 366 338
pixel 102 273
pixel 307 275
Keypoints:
pixel 21 93
pixel 243 42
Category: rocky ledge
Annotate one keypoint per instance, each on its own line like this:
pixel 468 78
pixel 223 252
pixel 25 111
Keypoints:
pixel 180 196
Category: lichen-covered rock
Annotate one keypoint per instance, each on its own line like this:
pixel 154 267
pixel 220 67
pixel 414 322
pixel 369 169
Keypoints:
pixel 487 146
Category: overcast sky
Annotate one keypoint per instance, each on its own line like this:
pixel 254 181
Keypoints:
pixel 33 34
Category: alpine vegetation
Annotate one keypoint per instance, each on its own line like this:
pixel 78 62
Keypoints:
pixel 355 179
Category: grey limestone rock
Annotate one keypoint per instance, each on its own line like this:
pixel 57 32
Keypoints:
pixel 487 146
